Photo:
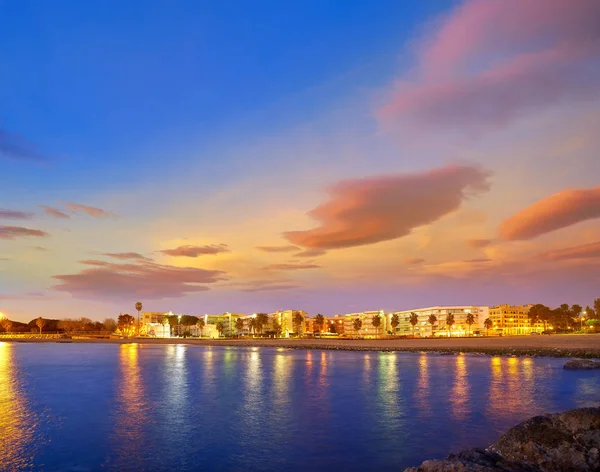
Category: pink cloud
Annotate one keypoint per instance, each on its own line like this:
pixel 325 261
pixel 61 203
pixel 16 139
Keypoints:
pixel 287 248
pixel 291 267
pixel 89 210
pixel 371 210
pixel 13 232
pixel 557 211
pixel 584 251
pixel 15 214
pixel 314 252
pixel 488 65
pixel 195 251
pixel 126 256
pixel 55 212
pixel 269 288
pixel 141 280
pixel 415 261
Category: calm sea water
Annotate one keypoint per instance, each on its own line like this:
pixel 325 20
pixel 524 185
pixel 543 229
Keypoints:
pixel 76 407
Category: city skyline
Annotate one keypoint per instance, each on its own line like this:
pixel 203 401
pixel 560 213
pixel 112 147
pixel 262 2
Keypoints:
pixel 332 161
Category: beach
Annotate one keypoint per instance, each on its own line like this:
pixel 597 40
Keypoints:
pixel 584 345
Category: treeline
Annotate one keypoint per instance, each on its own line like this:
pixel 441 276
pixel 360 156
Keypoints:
pixel 565 316
pixel 66 325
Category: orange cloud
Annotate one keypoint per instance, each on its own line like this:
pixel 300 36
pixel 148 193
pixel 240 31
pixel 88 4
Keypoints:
pixel 314 252
pixel 12 232
pixel 143 280
pixel 479 243
pixel 89 210
pixel 55 212
pixel 195 251
pixel 15 214
pixel 287 248
pixel 415 261
pixel 291 266
pixel 584 251
pixel 126 256
pixel 557 211
pixel 371 210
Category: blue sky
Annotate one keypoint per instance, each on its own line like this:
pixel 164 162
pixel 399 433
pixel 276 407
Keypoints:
pixel 201 123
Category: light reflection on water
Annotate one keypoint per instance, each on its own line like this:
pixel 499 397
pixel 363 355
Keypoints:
pixel 180 407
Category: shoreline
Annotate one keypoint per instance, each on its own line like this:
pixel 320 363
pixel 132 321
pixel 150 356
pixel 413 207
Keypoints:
pixel 580 346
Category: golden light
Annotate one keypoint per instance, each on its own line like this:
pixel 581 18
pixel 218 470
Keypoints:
pixel 1 315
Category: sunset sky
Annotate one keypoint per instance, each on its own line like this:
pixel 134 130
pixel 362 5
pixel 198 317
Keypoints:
pixel 335 157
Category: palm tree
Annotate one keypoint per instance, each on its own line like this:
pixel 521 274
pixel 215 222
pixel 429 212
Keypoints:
pixel 414 320
pixel 165 322
pixel 276 328
pixel 201 324
pixel 432 320
pixel 261 320
pixel 320 321
pixel 449 322
pixel 239 325
pixel 470 321
pixel 376 322
pixel 138 307
pixel 220 328
pixel 395 321
pixel 40 322
pixel 298 319
pixel 357 323
pixel 252 325
pixel 487 324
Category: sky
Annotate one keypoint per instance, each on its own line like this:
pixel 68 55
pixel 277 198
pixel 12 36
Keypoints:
pixel 335 157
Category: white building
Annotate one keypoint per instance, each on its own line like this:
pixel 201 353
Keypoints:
pixel 424 328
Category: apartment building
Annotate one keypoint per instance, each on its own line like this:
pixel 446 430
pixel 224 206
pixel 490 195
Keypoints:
pixel 367 328
pixel 285 318
pixel 513 320
pixel 424 328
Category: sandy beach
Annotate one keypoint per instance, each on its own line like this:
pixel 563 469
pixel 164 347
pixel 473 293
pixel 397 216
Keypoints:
pixel 585 345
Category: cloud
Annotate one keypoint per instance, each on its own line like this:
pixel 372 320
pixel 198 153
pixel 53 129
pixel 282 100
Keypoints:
pixel 415 261
pixel 291 267
pixel 13 232
pixel 477 261
pixel 39 248
pixel 314 252
pixel 288 248
pixel 140 280
pixel 15 214
pixel 557 211
pixel 14 147
pixel 195 251
pixel 505 66
pixel 371 210
pixel 126 256
pixel 584 251
pixel 479 243
pixel 54 212
pixel 89 210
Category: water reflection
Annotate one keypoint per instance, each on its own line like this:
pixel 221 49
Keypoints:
pixel 461 404
pixel 389 385
pixel 422 393
pixel 281 380
pixel 16 424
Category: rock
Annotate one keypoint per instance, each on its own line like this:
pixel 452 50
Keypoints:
pixel 550 443
pixel 582 364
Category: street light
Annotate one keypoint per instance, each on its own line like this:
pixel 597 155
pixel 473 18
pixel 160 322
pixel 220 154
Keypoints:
pixel 581 320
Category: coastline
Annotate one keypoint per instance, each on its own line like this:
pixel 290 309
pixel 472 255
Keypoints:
pixel 582 346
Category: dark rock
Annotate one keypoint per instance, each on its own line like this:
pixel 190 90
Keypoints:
pixel 552 443
pixel 582 364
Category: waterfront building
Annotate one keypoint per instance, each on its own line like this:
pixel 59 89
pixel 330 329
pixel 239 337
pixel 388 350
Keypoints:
pixel 367 329
pixel 152 323
pixel 423 328
pixel 513 320
pixel 228 319
pixel 335 324
pixel 285 318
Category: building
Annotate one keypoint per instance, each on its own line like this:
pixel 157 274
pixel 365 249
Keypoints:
pixel 424 328
pixel 335 324
pixel 154 324
pixel 513 320
pixel 285 318
pixel 228 319
pixel 367 328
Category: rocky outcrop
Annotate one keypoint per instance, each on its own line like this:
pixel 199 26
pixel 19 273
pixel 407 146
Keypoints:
pixel 582 364
pixel 552 443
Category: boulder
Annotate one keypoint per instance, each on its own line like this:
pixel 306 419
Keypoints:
pixel 549 443
pixel 582 364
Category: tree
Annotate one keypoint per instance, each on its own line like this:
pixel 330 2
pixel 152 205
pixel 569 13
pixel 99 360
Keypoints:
pixel 110 324
pixel 394 322
pixel 6 324
pixel 589 312
pixel 201 324
pixel 376 322
pixel 487 324
pixel 252 325
pixel 276 328
pixel 414 321
pixel 261 320
pixel 125 323
pixel 220 328
pixel 332 328
pixel 470 320
pixel 40 323
pixel 239 325
pixel 597 307
pixel 449 322
pixel 298 319
pixel 357 323
pixel 432 320
pixel 320 321
pixel 576 314
pixel 138 307
pixel 541 313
